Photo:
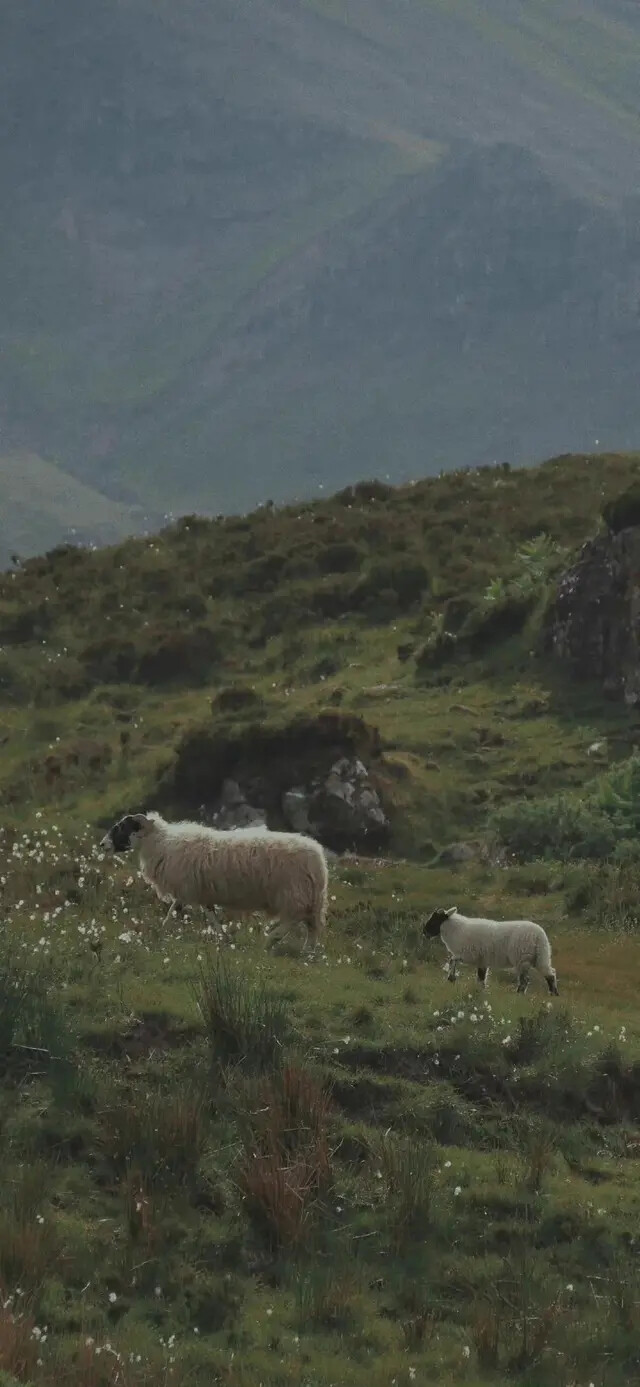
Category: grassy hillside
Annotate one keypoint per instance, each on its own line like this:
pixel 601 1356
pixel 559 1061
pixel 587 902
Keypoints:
pixel 225 1165
pixel 221 246
pixel 41 502
pixel 340 604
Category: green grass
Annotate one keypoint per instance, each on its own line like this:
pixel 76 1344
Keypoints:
pixel 209 605
pixel 430 1173
pixel 234 1165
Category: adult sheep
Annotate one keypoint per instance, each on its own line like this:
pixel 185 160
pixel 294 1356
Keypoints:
pixel 518 944
pixel 282 874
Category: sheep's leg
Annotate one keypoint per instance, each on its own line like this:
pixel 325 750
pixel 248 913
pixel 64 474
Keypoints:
pixel 552 982
pixel 175 905
pixel 523 980
pixel 281 933
pixel 449 967
pixel 483 974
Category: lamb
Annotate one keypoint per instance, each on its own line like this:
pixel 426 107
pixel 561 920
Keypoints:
pixel 282 874
pixel 518 944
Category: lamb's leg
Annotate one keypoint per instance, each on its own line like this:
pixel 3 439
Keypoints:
pixel 483 974
pixel 523 979
pixel 452 969
pixel 552 982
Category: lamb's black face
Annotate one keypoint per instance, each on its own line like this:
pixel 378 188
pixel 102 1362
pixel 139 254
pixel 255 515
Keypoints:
pixel 432 926
pixel 120 837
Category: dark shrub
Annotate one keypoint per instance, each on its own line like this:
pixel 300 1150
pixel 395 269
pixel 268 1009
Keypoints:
pixel 406 581
pixel 262 573
pixel 435 652
pixel 363 492
pixel 558 827
pixel 111 660
pixel 456 611
pixel 488 625
pixel 624 510
pixel 26 624
pixel 178 654
pixel 344 557
pixel 334 596
pixel 236 696
pixel 11 681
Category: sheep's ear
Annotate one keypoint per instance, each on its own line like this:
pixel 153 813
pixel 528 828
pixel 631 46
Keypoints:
pixel 451 911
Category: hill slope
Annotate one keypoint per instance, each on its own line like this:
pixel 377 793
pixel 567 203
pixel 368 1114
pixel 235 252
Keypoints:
pixel 249 1166
pixel 42 504
pixel 240 246
pixel 338 605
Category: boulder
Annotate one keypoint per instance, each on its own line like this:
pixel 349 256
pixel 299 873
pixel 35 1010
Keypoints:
pixel 295 809
pixel 234 811
pixel 345 811
pixel 593 622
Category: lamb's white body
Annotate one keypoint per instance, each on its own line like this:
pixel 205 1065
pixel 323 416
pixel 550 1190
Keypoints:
pixel 281 874
pixel 518 944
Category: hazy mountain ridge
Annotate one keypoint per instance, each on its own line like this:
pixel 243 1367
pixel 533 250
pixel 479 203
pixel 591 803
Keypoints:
pixel 233 266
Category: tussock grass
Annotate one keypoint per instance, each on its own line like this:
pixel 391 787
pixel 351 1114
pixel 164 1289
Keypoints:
pixel 285 1169
pixel 246 1023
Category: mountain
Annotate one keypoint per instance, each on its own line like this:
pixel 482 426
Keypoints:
pixel 42 502
pixel 256 247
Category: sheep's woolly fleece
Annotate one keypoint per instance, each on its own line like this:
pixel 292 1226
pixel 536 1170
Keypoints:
pixel 518 944
pixel 282 874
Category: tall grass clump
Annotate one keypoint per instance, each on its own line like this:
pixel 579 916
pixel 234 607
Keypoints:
pixel 407 1167
pixel 246 1023
pixel 608 896
pixel 34 1030
pixel 328 1294
pixel 284 1172
pixel 154 1138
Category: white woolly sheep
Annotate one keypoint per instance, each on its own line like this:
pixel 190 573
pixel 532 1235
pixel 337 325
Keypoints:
pixel 518 944
pixel 282 874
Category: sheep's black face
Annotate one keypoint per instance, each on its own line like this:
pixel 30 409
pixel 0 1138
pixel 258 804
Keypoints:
pixel 120 837
pixel 432 926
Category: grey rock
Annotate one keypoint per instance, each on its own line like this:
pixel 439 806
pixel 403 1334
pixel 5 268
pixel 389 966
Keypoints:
pixel 295 808
pixel 345 811
pixel 593 623
pixel 458 853
pixel 231 793
pixel 234 811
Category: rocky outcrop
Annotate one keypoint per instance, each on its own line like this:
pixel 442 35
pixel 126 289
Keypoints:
pixel 342 810
pixel 593 622
pixel 235 811
pixel 311 774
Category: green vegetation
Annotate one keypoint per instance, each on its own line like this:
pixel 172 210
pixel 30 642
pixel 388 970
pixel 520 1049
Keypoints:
pixel 224 1164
